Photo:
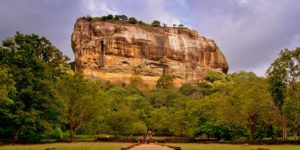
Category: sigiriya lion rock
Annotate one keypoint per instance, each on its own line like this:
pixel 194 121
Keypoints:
pixel 117 50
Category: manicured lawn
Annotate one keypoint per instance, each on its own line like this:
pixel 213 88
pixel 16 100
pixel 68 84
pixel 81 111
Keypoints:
pixel 117 146
pixel 234 147
pixel 68 146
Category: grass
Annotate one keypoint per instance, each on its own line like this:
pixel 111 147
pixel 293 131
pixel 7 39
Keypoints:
pixel 233 147
pixel 68 146
pixel 117 146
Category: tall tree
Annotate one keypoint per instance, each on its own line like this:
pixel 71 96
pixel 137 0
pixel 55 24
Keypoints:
pixel 33 65
pixel 81 100
pixel 283 75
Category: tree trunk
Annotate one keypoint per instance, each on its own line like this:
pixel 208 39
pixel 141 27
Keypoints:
pixel 295 135
pixel 284 130
pixel 271 132
pixel 252 124
pixel 15 134
pixel 72 133
pixel 252 132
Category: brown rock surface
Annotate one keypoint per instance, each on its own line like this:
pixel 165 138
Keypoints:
pixel 116 51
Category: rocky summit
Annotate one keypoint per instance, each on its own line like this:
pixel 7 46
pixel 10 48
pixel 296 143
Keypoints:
pixel 117 51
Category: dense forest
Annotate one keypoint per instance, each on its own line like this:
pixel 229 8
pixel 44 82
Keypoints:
pixel 41 97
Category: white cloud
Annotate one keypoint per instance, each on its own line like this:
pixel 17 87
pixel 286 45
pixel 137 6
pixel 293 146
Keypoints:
pixel 97 7
pixel 244 1
pixel 158 11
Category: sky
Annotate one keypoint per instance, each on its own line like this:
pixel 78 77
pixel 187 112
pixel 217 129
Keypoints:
pixel 250 33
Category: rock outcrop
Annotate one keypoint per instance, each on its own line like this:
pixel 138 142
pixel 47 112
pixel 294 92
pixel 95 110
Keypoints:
pixel 116 51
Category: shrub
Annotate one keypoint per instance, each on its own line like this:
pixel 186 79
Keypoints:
pixel 123 17
pixel 132 20
pixel 155 23
pixel 165 82
pixel 212 76
pixel 180 25
pixel 110 17
pixel 88 18
pixel 187 89
pixel 117 17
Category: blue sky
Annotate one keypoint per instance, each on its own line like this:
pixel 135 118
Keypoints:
pixel 250 33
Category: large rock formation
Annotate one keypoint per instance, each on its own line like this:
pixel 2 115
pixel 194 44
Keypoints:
pixel 116 51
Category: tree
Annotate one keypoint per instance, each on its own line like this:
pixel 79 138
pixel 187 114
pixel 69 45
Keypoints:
pixel 212 76
pixel 155 23
pixel 110 17
pixel 81 101
pixel 163 116
pixel 132 20
pixel 249 101
pixel 292 109
pixel 187 89
pixel 283 75
pixel 244 103
pixel 165 82
pixel 33 65
pixel 123 17
pixel 117 17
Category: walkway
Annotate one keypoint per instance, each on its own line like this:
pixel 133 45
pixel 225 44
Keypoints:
pixel 150 147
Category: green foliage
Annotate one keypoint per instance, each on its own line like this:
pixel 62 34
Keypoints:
pixel 7 86
pixel 88 18
pixel 212 76
pixel 110 17
pixel 132 20
pixel 165 82
pixel 284 75
pixel 41 98
pixel 81 102
pixel 213 130
pixel 155 23
pixel 187 89
pixel 29 66
pixel 123 17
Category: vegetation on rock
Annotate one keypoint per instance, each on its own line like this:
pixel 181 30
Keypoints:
pixel 124 18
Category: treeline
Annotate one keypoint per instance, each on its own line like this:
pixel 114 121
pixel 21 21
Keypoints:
pixel 42 98
pixel 131 20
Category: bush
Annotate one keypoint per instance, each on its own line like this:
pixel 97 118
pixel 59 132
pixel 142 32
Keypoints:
pixel 141 23
pixel 117 17
pixel 187 89
pixel 88 18
pixel 212 76
pixel 165 82
pixel 110 17
pixel 132 20
pixel 54 134
pixel 138 128
pixel 155 23
pixel 123 17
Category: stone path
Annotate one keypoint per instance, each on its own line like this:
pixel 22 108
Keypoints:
pixel 150 147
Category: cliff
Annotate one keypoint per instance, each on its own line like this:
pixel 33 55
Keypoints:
pixel 116 51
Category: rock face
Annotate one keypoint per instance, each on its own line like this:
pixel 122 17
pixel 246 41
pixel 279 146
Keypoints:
pixel 117 51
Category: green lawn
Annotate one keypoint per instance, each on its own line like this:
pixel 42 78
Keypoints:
pixel 68 146
pixel 117 146
pixel 233 147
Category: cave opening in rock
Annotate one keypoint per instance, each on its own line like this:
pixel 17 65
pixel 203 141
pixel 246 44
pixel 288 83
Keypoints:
pixel 101 59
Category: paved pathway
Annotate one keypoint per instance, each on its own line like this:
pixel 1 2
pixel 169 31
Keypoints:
pixel 150 147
